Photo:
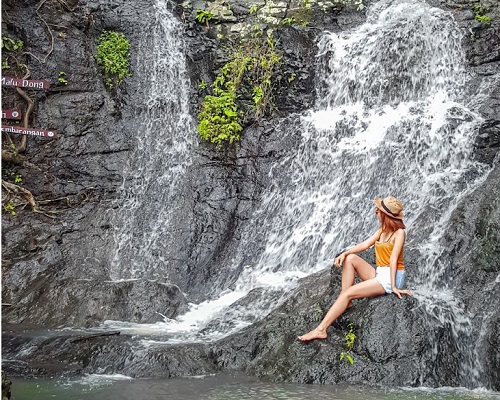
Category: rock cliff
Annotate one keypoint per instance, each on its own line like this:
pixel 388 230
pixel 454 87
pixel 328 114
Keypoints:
pixel 56 261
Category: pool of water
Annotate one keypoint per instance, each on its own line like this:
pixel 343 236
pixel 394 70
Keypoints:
pixel 220 387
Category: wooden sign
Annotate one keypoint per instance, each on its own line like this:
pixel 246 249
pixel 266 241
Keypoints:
pixel 11 114
pixel 25 83
pixel 29 131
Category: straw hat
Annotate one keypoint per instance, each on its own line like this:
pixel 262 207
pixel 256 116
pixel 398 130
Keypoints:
pixel 390 206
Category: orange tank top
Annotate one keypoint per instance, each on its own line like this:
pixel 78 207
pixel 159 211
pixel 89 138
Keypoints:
pixel 383 255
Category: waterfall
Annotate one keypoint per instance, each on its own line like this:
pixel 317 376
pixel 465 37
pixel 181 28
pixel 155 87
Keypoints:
pixel 391 118
pixel 149 195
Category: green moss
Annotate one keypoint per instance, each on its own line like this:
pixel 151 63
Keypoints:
pixel 113 57
pixel 480 15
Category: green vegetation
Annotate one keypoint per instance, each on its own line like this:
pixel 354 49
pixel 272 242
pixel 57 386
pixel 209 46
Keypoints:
pixel 14 150
pixel 203 17
pixel 350 338
pixel 10 44
pixel 288 21
pixel 61 78
pixel 113 57
pixel 9 208
pixel 480 15
pixel 319 313
pixel 241 88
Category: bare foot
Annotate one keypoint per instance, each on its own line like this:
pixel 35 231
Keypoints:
pixel 313 335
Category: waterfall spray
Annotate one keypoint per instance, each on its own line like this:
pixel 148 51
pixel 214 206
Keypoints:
pixel 149 196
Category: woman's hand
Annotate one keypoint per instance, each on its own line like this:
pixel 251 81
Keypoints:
pixel 398 292
pixel 339 261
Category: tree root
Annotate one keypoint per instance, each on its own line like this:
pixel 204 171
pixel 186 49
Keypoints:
pixel 50 33
pixel 21 147
pixel 17 190
pixel 12 157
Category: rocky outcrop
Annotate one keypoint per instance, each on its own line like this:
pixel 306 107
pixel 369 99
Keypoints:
pixel 56 266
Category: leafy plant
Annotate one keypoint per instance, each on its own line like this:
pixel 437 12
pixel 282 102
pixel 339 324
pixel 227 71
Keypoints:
pixel 253 9
pixel 203 17
pixel 202 85
pixel 292 77
pixel 350 338
pixel 61 78
pixel 480 15
pixel 246 77
pixel 258 95
pixel 10 44
pixel 484 19
pixel 319 313
pixel 113 57
pixel 18 178
pixel 14 150
pixel 220 117
pixel 288 21
pixel 9 208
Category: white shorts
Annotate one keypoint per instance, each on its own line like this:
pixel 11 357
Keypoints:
pixel 383 275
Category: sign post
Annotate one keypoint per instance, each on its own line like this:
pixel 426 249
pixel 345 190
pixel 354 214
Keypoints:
pixel 11 114
pixel 20 84
pixel 25 83
pixel 29 131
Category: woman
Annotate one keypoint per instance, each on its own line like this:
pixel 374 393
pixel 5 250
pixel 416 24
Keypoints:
pixel 390 274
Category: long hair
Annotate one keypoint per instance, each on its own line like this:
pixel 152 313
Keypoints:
pixel 390 224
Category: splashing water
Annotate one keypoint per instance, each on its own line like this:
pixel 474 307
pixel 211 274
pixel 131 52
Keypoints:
pixel 160 157
pixel 390 119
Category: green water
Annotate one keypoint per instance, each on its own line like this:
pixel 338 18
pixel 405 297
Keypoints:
pixel 220 387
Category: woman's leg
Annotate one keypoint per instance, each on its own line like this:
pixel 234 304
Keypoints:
pixel 369 288
pixel 353 265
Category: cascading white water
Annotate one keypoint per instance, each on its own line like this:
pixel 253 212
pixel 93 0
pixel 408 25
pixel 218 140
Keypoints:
pixel 163 136
pixel 390 119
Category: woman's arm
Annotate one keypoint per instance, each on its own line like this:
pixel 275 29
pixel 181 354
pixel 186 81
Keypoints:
pixel 399 241
pixel 339 261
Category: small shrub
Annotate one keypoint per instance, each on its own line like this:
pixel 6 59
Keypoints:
pixel 350 338
pixel 203 17
pixel 9 208
pixel 247 74
pixel 61 78
pixel 480 15
pixel 113 57
pixel 10 44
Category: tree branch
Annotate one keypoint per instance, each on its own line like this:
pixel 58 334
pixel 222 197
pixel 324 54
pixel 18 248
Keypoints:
pixel 50 33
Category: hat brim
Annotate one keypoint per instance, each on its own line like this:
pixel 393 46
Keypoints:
pixel 378 204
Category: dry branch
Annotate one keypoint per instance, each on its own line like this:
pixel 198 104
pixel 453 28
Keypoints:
pixel 50 33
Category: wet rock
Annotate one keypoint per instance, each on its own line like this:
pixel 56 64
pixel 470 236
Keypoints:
pixel 56 270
